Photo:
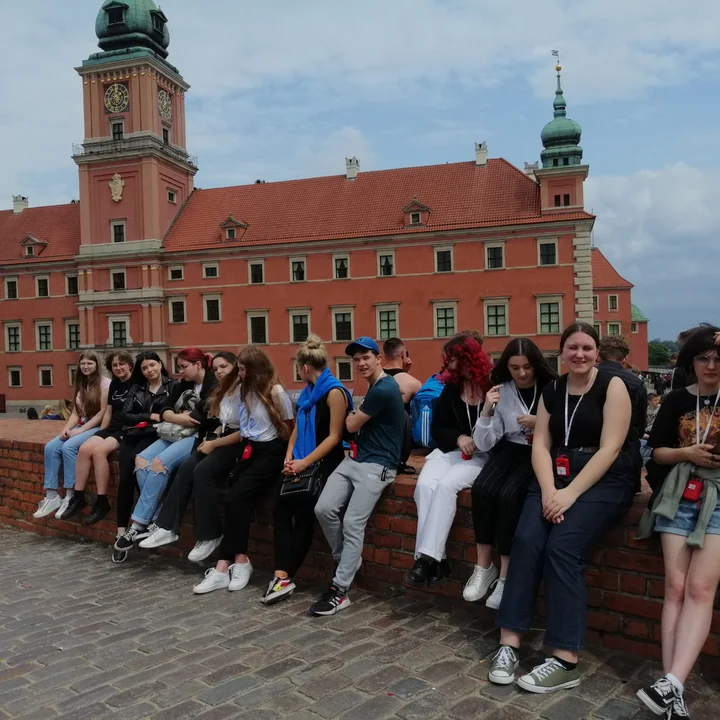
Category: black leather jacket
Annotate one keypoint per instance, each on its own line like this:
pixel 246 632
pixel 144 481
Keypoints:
pixel 140 403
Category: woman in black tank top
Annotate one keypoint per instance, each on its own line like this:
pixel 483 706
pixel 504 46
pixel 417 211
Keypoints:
pixel 584 481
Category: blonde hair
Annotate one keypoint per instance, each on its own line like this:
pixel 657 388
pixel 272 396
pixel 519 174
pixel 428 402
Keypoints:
pixel 313 353
pixel 47 410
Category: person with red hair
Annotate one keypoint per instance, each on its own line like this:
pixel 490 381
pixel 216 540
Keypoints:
pixel 456 462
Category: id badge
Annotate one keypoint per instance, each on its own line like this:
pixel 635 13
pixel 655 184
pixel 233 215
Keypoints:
pixel 530 438
pixel 562 466
pixel 693 490
pixel 247 452
pixel 353 450
pixel 465 456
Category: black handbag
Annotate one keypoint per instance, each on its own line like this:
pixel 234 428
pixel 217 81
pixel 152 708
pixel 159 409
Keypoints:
pixel 308 482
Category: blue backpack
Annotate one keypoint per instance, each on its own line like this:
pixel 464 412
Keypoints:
pixel 421 408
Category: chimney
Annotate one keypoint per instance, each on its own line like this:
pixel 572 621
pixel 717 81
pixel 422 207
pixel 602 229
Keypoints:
pixel 531 169
pixel 20 203
pixel 352 168
pixel 481 154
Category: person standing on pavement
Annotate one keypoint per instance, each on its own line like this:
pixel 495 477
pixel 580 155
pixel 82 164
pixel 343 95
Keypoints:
pixel 585 480
pixel 455 463
pixel 360 479
pixel 614 350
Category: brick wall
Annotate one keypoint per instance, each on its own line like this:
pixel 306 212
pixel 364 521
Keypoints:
pixel 624 577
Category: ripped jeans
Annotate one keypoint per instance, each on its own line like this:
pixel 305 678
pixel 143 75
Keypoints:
pixel 152 483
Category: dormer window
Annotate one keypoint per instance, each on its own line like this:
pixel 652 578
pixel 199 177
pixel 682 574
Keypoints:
pixel 233 229
pixel 116 16
pixel 158 24
pixel 415 213
pixel 230 233
pixel 159 20
pixel 29 251
pixel 415 218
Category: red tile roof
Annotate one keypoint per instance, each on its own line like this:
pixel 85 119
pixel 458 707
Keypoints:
pixel 459 195
pixel 58 225
pixel 604 274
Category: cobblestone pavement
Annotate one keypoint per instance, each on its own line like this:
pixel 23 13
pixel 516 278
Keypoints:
pixel 81 638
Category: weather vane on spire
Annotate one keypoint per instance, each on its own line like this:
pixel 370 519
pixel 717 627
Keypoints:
pixel 558 66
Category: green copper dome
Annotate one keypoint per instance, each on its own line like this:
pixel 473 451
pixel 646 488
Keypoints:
pixel 561 136
pixel 132 24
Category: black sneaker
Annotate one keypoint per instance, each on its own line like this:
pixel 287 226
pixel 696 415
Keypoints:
pixel 678 711
pixel 420 573
pixel 77 504
pixel 278 588
pixel 330 602
pixel 659 697
pixel 125 542
pixel 439 574
pixel 99 510
pixel 119 556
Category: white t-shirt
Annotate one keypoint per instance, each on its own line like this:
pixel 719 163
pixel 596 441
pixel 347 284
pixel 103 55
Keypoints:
pixel 257 425
pixel 229 412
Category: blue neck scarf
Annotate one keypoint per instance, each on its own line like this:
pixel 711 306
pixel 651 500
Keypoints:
pixel 307 402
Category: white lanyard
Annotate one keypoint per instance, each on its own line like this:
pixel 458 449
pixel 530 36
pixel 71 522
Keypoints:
pixel 698 441
pixel 568 425
pixel 527 409
pixel 470 425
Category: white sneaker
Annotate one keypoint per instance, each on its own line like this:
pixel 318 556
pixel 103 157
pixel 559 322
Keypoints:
pixel 493 602
pixel 63 507
pixel 204 549
pixel 479 583
pixel 240 575
pixel 48 506
pixel 213 580
pixel 159 538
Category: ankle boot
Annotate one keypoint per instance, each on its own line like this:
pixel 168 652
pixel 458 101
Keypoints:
pixel 99 510
pixel 77 504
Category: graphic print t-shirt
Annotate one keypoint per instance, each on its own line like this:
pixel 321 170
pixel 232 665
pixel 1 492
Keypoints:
pixel 256 424
pixel 675 427
pixel 116 398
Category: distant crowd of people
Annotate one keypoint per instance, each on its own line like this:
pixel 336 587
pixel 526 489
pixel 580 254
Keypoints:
pixel 551 463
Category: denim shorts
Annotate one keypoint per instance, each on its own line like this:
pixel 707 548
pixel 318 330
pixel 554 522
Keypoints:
pixel 686 519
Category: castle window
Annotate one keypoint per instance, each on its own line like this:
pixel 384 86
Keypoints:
pixel 415 218
pixel 566 200
pixel 118 130
pixel 116 16
pixel 166 136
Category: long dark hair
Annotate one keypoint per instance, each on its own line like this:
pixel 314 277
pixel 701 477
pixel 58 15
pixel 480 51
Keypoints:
pixel 698 340
pixel 137 378
pixel 522 346
pixel 577 327
pixel 224 384
pixel 87 387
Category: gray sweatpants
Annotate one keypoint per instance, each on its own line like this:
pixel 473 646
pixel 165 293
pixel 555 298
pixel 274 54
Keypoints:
pixel 357 487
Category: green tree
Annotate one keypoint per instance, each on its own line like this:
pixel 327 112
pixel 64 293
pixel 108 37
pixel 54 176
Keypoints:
pixel 658 354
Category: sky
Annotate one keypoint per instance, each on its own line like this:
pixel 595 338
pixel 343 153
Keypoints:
pixel 286 90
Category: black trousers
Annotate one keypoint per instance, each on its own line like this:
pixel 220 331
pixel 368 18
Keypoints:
pixel 498 495
pixel 127 484
pixel 212 469
pixel 293 524
pixel 250 481
pixel 555 554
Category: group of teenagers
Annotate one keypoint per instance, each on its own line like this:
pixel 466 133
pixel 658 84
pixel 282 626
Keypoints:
pixel 552 461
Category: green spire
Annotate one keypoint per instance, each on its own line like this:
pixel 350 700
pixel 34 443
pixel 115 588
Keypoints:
pixel 561 136
pixel 129 26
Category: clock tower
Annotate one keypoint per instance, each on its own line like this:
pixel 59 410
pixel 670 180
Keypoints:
pixel 135 174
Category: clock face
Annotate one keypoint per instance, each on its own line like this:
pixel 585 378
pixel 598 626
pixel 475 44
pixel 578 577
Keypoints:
pixel 117 98
pixel 165 104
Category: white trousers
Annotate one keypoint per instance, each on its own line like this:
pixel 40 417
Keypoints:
pixel 441 479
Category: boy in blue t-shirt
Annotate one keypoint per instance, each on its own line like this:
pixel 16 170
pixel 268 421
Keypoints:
pixel 359 481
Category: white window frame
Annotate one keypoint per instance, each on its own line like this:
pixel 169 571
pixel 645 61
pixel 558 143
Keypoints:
pixel 341 256
pixel 41 368
pixel 617 302
pixel 543 299
pixel 72 371
pixel 596 303
pixel 118 317
pixel 113 225
pixel 9 325
pixel 292 313
pixel 611 325
pixel 492 245
pixel 67 283
pixel 385 253
pixel 172 268
pixel 38 278
pixel 335 310
pixel 116 271
pixel 347 360
pixel 299 259
pixel 296 371
pixel 174 299
pixel 250 263
pixel 17 288
pixel 38 325
pixel 442 305
pixel 172 196
pixel 385 307
pixel 415 214
pixel 255 314
pixel 547 241
pixel 68 323
pixel 11 369
pixel 205 267
pixel 493 302
pixel 444 248
pixel 634 328
pixel 231 233
pixel 29 251
pixel 213 296
pixel 553 360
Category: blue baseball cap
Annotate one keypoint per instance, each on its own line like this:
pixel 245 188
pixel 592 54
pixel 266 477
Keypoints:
pixel 362 343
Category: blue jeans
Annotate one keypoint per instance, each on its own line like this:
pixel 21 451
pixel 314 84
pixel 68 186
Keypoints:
pixel 152 484
pixel 59 451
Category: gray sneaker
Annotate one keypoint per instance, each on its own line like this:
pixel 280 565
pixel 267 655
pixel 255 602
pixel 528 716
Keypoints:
pixel 549 677
pixel 503 666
